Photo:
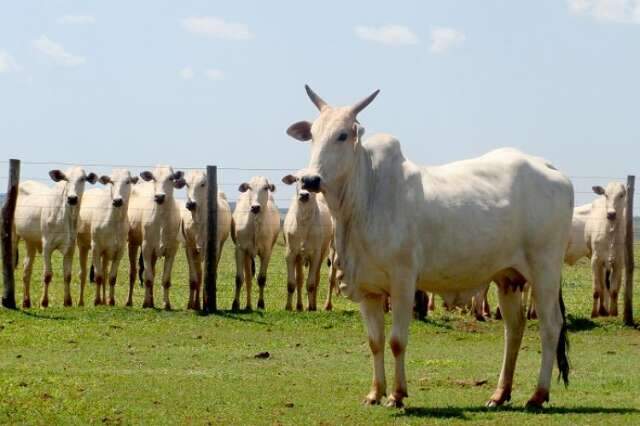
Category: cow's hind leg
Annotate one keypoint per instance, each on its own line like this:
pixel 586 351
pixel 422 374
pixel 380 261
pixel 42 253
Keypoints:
pixel 510 302
pixel 26 276
pixel 133 264
pixel 372 310
pixel 545 285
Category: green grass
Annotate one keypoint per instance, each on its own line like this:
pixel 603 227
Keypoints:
pixel 119 365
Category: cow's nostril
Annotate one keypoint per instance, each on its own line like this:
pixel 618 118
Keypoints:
pixel 72 200
pixel 117 202
pixel 311 183
pixel 304 197
pixel 159 198
pixel 255 209
pixel 611 215
pixel 191 205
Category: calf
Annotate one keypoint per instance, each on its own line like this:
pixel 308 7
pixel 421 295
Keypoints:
pixel 154 223
pixel 194 230
pixel 103 227
pixel 256 224
pixel 308 231
pixel 47 219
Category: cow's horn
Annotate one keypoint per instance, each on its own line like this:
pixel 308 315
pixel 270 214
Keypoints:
pixel 317 100
pixel 364 103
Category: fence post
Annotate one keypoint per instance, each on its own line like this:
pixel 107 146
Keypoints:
pixel 6 236
pixel 210 260
pixel 628 279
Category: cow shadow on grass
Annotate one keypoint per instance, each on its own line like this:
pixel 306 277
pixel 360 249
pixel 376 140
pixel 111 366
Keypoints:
pixel 576 324
pixel 462 413
pixel 239 315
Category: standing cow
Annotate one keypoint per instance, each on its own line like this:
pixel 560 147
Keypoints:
pixel 154 223
pixel 504 217
pixel 193 230
pixel 103 228
pixel 47 220
pixel 256 224
pixel 308 230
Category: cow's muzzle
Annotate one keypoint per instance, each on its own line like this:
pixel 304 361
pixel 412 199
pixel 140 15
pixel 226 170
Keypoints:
pixel 255 209
pixel 611 215
pixel 159 198
pixel 72 200
pixel 191 205
pixel 311 183
pixel 117 202
pixel 304 197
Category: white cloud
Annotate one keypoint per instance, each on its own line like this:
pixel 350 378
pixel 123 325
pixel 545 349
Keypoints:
pixel 217 27
pixel 390 35
pixel 625 11
pixel 186 73
pixel 77 19
pixel 214 74
pixel 443 39
pixel 7 63
pixel 56 52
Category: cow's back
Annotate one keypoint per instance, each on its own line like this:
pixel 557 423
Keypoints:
pixel 578 247
pixel 32 197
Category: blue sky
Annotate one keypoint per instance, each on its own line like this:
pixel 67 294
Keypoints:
pixel 200 82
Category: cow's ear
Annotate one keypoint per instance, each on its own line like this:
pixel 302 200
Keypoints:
pixel 177 175
pixel 92 178
pixel 133 179
pixel 244 187
pixel 179 183
pixel 598 189
pixel 57 175
pixel 289 179
pixel 146 176
pixel 272 187
pixel 300 130
pixel 105 180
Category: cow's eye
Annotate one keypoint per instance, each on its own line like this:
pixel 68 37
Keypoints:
pixel 203 184
pixel 342 137
pixel 266 187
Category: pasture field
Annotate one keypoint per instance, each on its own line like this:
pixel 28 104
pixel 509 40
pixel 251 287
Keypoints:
pixel 128 366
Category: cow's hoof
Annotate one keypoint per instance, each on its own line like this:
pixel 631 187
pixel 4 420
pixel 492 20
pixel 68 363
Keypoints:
pixel 392 402
pixel 167 306
pixel 44 303
pixel 80 303
pixel 370 401
pixel 603 312
pixel 26 303
pixel 288 307
pixel 147 304
pixel 261 304
pixel 129 303
pixel 248 308
pixel 235 306
pixel 536 402
pixel 499 398
pixel 112 302
pixel 68 303
pixel 312 308
pixel 594 314
pixel 299 307
pixel 328 307
pixel 480 318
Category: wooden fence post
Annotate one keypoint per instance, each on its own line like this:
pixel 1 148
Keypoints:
pixel 630 263
pixel 210 260
pixel 6 236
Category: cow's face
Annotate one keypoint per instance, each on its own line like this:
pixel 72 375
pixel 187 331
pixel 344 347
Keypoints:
pixel 258 189
pixel 120 184
pixel 196 182
pixel 74 179
pixel 164 180
pixel 615 196
pixel 303 196
pixel 335 136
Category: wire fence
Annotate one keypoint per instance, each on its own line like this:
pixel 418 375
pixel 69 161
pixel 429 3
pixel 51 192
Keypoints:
pixel 230 179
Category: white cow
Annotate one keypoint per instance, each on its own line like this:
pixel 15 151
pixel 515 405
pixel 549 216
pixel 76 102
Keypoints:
pixel 103 227
pixel 154 223
pixel 308 231
pixel 47 219
pixel 193 230
pixel 598 233
pixel 504 217
pixel 256 224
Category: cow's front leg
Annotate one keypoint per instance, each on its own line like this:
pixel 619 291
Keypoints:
pixel 262 277
pixel 313 281
pixel 240 255
pixel 149 262
pixel 48 274
pixel 166 276
pixel 616 281
pixel 402 297
pixel 83 255
pixel 372 310
pixel 67 264
pixel 291 278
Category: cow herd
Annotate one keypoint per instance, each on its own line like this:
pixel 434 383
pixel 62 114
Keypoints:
pixel 388 226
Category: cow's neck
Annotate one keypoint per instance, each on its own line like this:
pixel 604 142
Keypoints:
pixel 64 213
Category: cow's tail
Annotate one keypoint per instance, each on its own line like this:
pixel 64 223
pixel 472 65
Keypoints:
pixel 607 278
pixel 16 258
pixel 141 270
pixel 253 267
pixel 92 274
pixel 328 262
pixel 562 352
